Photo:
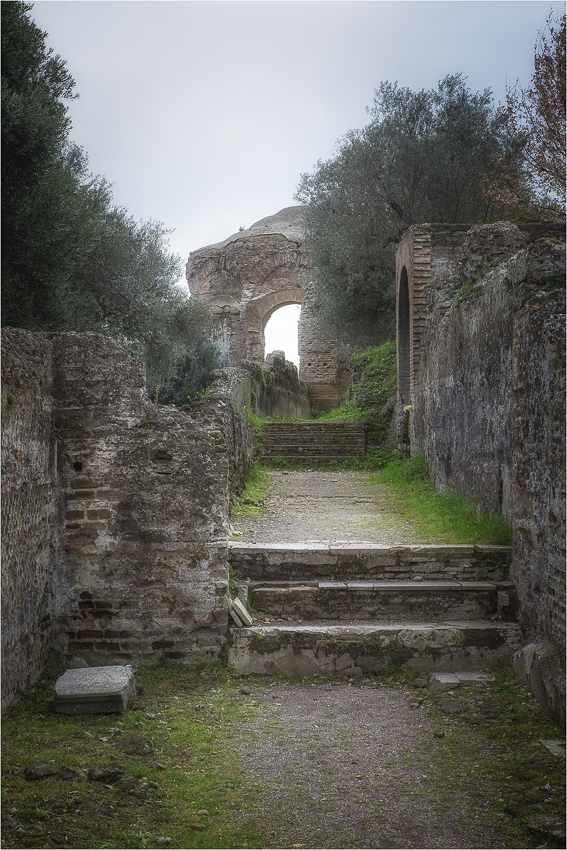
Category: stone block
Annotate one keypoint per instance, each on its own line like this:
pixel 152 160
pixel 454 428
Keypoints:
pixel 96 690
pixel 242 612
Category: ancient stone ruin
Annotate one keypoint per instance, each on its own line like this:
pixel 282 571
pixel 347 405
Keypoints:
pixel 116 510
pixel 481 363
pixel 249 276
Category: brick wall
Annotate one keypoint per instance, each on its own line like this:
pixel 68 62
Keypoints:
pixel 29 505
pixel 487 391
pixel 115 510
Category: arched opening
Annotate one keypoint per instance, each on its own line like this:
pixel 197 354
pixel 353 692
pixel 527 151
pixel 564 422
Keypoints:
pixel 403 339
pixel 280 332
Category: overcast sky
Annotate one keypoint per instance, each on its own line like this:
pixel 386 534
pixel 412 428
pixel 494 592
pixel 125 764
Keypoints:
pixel 203 114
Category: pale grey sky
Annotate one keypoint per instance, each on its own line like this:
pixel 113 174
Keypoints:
pixel 204 113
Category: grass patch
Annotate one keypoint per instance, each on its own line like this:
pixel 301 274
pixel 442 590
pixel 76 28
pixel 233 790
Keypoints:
pixel 497 743
pixel 445 516
pixel 347 412
pixel 252 499
pixel 175 741
pixel 373 387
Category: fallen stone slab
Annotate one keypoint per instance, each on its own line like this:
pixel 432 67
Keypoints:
pixel 109 773
pixel 241 612
pixel 41 768
pixel 548 825
pixel 95 690
pixel 555 747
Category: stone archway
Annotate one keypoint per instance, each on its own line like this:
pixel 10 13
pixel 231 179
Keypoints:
pixel 413 273
pixel 247 278
pixel 403 338
pixel 255 315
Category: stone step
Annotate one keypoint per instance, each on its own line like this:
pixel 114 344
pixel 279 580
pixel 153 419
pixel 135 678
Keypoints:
pixel 312 425
pixel 312 445
pixel 426 601
pixel 309 457
pixel 310 437
pixel 320 648
pixel 371 562
pixel 309 441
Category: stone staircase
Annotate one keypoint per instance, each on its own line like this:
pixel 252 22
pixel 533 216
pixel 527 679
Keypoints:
pixel 311 442
pixel 356 609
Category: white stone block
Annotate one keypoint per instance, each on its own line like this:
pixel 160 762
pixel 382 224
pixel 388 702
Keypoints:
pixel 242 612
pixel 95 690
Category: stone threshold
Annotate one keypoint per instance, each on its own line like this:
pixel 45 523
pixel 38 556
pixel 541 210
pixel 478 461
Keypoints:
pixel 379 585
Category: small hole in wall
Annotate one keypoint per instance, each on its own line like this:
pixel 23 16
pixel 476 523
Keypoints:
pixel 77 466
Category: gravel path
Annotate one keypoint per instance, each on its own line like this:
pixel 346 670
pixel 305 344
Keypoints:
pixel 328 507
pixel 353 765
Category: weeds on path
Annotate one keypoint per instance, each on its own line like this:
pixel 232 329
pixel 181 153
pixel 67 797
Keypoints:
pixel 179 739
pixel 445 516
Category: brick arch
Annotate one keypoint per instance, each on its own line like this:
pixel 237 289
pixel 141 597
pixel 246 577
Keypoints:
pixel 256 313
pixel 413 272
pixel 403 338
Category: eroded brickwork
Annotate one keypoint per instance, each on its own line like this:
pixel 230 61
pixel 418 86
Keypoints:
pixel 115 509
pixel 247 278
pixel 487 389
pixel 29 503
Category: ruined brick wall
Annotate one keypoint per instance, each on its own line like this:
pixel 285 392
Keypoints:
pixel 29 504
pixel 325 364
pixel 538 463
pixel 115 510
pixel 250 275
pixel 274 389
pixel 487 390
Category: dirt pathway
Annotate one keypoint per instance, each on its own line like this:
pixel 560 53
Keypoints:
pixel 348 764
pixel 355 763
pixel 328 507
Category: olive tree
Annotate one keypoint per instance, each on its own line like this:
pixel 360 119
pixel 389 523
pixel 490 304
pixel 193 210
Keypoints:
pixel 424 156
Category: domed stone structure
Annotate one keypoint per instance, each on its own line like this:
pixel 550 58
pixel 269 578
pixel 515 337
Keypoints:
pixel 249 276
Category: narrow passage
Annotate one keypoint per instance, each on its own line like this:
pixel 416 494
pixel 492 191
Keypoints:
pixel 310 506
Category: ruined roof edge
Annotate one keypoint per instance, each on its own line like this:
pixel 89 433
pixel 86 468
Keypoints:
pixel 288 222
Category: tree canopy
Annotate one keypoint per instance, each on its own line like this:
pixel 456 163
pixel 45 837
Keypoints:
pixel 72 259
pixel 537 112
pixel 424 156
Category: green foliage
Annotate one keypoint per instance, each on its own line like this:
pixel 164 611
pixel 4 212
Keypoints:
pixel 252 499
pixel 348 411
pixel 424 156
pixel 446 516
pixel 463 293
pixel 553 283
pixel 370 396
pixel 192 369
pixel 71 260
pixel 50 206
pixel 189 787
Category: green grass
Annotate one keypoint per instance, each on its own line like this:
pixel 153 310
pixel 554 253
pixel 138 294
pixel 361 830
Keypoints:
pixel 373 385
pixel 193 788
pixel 252 498
pixel 347 412
pixel 445 516
pixel 191 784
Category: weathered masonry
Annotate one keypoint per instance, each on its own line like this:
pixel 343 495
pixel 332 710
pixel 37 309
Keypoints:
pixel 250 275
pixel 481 362
pixel 114 510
